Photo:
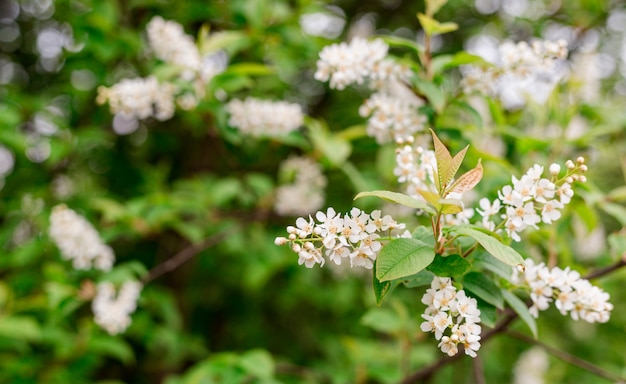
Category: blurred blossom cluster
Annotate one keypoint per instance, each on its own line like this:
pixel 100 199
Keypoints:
pixel 112 312
pixel 392 119
pixel 355 237
pixel 518 71
pixel 258 118
pixel 78 240
pixel 305 194
pixel 136 99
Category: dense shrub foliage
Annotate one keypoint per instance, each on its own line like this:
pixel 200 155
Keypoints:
pixel 272 191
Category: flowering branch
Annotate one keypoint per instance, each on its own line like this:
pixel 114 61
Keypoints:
pixel 183 256
pixel 502 326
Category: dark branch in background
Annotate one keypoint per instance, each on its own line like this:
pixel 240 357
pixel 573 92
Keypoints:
pixel 184 256
pixel 568 358
pixel 509 316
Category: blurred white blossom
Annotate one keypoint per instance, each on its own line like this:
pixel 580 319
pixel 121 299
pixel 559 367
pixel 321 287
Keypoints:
pixel 257 117
pixel 305 194
pixel 392 119
pixel 112 312
pixel 78 240
pixel 531 367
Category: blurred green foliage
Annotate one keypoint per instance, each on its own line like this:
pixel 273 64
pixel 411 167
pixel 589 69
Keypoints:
pixel 243 311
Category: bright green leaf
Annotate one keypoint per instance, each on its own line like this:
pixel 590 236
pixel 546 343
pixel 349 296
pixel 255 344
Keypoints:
pixel 258 363
pixel 433 6
pixel 420 279
pixel 449 266
pixel 382 320
pixel 20 328
pixel 450 206
pixel 399 198
pixel 433 27
pixel 483 287
pixel 432 92
pixel 381 289
pixel 403 257
pixel 521 309
pixel 500 251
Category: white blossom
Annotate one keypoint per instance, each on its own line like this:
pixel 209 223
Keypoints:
pixel 567 289
pixel 78 240
pixel 140 98
pixel 392 119
pixel 355 236
pixel 257 117
pixel 357 62
pixel 452 316
pixel 112 312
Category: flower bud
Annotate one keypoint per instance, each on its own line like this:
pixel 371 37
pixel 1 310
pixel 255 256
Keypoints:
pixel 570 164
pixel 280 241
pixel 580 160
pixel 555 169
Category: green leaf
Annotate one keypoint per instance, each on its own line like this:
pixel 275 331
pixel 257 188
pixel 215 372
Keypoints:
pixel 488 312
pixel 484 260
pixel 615 210
pixel 254 69
pixel 382 320
pixel 432 92
pixel 433 6
pixel 258 363
pixel 403 257
pixel 483 287
pixel 335 148
pixel 381 289
pixel 115 347
pixel 20 328
pixel 445 62
pixel 420 279
pixel 399 198
pixel 431 197
pixel 449 266
pixel 521 309
pixel 433 27
pixel 500 251
pixel 396 41
pixel 450 206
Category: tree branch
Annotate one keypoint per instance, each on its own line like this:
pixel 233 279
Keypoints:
pixel 568 358
pixel 509 316
pixel 183 256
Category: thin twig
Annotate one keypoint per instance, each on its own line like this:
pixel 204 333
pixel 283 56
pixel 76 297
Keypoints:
pixel 183 256
pixel 479 372
pixel 509 316
pixel 568 358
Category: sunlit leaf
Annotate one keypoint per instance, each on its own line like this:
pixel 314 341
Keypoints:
pixel 500 251
pixel 403 257
pixel 399 198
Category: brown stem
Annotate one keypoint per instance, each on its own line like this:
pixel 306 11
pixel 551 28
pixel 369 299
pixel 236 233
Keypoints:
pixel 568 358
pixel 509 316
pixel 183 256
pixel 479 372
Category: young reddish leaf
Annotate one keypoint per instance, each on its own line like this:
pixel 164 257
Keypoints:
pixel 447 166
pixel 444 162
pixel 468 180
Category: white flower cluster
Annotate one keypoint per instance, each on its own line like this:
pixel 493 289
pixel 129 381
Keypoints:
pixel 392 119
pixel 306 194
pixel 520 70
pixel 170 43
pixel 569 291
pixel 257 117
pixel 139 98
pixel 452 316
pixel 354 236
pixel 113 313
pixel 78 240
pixel 357 62
pixel 532 199
pixel 415 167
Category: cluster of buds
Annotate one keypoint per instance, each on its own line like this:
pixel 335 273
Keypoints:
pixel 354 236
